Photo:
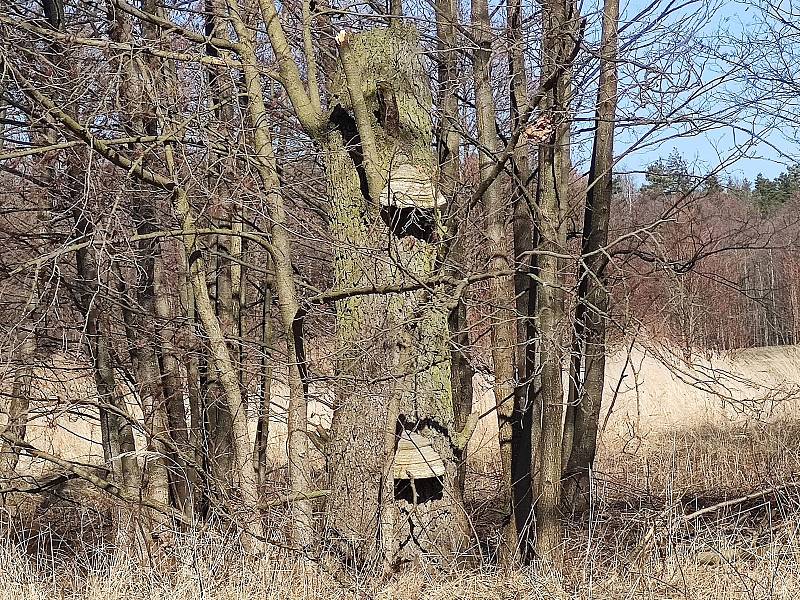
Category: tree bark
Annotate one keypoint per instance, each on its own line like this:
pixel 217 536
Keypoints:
pixel 503 317
pixel 404 335
pixel 260 456
pixel 196 439
pixel 183 479
pixel 593 302
pixel 449 141
pixel 524 288
pixel 217 419
pixel 552 198
pixel 118 439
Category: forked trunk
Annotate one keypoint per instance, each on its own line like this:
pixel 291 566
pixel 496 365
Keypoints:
pixel 593 301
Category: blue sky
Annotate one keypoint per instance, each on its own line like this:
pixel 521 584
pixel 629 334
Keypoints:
pixel 709 149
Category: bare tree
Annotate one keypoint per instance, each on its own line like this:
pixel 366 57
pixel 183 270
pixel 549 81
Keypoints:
pixel 558 41
pixel 504 341
pixel 587 367
pixel 245 205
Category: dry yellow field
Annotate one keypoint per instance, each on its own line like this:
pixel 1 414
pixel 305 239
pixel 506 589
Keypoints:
pixel 680 437
pixel 649 391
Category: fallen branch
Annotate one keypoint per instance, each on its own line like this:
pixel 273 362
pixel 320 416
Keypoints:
pixel 652 536
pixel 740 500
pixel 93 478
pixel 299 496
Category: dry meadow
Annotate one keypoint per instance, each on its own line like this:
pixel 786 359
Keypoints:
pixel 696 497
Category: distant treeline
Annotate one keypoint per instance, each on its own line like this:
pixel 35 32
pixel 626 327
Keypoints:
pixel 723 271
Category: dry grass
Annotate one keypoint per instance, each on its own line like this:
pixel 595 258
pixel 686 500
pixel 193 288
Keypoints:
pixel 669 450
pixel 748 551
pixel 708 458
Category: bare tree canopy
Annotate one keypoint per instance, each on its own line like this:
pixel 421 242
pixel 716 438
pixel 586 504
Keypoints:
pixel 378 288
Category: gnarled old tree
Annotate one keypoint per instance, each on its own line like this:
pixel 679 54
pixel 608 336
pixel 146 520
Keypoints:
pixel 394 440
pixel 395 396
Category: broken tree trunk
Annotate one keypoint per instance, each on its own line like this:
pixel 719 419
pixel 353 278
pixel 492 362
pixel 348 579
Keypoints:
pixel 393 350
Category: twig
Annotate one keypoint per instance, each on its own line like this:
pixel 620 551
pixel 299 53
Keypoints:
pixel 93 478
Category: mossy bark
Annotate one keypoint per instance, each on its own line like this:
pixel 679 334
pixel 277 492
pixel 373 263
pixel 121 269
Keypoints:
pixel 393 357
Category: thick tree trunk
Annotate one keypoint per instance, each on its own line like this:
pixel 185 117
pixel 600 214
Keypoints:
pixel 593 302
pixel 217 418
pixel 183 478
pixel 381 123
pixel 550 313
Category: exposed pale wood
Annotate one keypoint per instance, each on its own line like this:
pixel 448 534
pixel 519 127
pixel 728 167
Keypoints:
pixel 408 187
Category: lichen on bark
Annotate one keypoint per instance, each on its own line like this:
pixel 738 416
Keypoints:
pixel 393 357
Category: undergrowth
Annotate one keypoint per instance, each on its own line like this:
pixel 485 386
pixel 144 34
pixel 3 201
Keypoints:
pixel 636 543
